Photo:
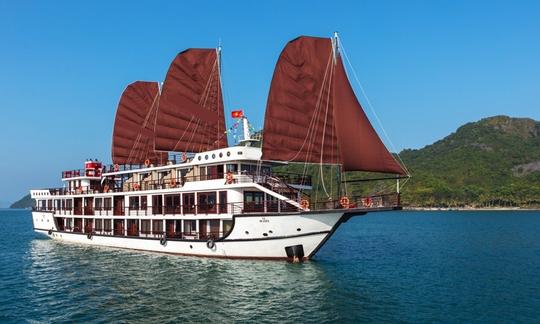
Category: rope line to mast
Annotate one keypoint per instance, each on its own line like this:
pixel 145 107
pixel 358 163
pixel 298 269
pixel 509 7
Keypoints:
pixel 372 109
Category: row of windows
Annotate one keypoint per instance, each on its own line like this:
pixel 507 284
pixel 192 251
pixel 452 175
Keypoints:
pixel 136 227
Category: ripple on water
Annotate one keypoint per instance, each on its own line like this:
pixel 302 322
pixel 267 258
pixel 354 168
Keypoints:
pixel 389 267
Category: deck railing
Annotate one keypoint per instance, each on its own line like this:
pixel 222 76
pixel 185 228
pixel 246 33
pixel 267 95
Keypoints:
pixel 289 179
pixel 368 202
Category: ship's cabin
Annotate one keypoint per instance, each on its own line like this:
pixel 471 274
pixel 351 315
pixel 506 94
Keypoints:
pixel 194 198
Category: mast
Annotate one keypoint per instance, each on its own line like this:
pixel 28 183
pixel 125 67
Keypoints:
pixel 335 46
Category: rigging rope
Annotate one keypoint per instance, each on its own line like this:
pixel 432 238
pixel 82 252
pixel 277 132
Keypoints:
pixel 372 109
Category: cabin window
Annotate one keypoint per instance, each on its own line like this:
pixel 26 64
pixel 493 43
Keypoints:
pixel 232 167
pixel 172 204
pixel 227 226
pixel 144 202
pixel 157 203
pixel 69 204
pixel 248 168
pixel 214 228
pixel 99 225
pixel 133 203
pixel 107 225
pixel 190 227
pixel 253 201
pixel 223 202
pixel 107 203
pixel 188 203
pixel 206 202
pixel 49 204
pixel 118 227
pixel 132 227
pixel 266 170
pixel 145 226
pixel 272 203
pixel 99 203
pixel 77 225
pixel 202 173
pixel 69 223
pixel 157 226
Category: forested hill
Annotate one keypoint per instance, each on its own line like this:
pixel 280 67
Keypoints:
pixel 495 161
pixel 24 202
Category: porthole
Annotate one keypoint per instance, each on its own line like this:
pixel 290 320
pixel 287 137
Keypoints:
pixel 270 232
pixel 191 246
pixel 265 234
pixel 220 154
pixel 240 152
pixel 206 157
pixel 199 158
pixel 247 232
pixel 228 153
pixel 213 156
pixel 298 229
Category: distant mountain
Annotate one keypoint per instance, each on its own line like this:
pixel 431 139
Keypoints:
pixel 493 161
pixel 24 202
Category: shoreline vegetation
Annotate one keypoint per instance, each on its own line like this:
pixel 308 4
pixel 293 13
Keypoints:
pixel 410 208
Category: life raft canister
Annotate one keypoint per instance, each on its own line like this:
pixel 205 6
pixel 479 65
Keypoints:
pixel 344 202
pixel 229 177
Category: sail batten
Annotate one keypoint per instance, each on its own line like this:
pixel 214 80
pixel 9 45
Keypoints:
pixel 313 115
pixel 133 134
pixel 190 116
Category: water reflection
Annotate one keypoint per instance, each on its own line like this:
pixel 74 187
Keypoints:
pixel 97 282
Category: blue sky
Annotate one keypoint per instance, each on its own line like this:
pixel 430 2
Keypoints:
pixel 427 66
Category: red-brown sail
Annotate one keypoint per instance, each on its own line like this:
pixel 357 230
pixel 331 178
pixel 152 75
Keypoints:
pixel 133 134
pixel 299 103
pixel 190 116
pixel 313 115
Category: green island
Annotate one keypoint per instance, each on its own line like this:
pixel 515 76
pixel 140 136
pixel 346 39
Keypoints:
pixel 494 162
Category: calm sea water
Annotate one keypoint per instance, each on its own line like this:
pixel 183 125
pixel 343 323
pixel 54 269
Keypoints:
pixel 407 266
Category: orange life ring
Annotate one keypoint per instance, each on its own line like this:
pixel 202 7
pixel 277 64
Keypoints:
pixel 229 177
pixel 344 202
pixel 136 186
pixel 173 182
pixel 106 188
pixel 304 203
pixel 367 202
pixel 184 156
pixel 146 162
pixel 116 168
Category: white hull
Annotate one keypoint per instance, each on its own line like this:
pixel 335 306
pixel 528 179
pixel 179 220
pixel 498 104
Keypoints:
pixel 252 236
